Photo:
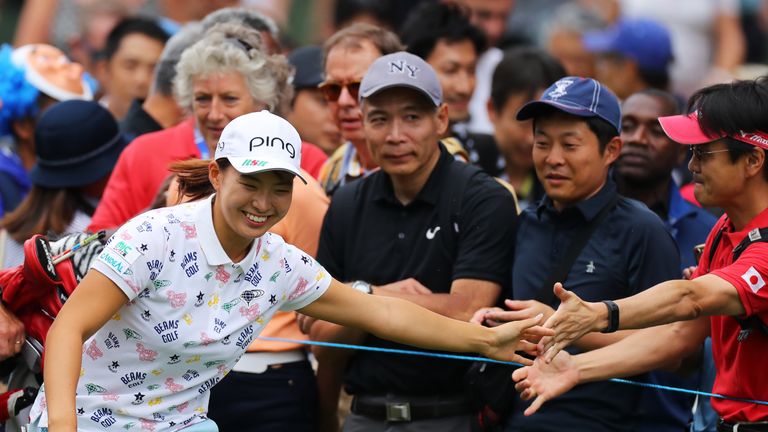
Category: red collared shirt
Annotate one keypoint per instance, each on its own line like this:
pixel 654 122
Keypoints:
pixel 741 366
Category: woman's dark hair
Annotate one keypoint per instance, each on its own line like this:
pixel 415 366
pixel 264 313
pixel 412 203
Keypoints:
pixel 44 211
pixel 523 70
pixel 192 177
pixel 431 22
pixel 733 108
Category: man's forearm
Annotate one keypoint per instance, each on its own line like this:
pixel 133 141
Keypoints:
pixel 642 351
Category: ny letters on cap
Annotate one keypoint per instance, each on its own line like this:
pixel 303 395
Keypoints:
pixel 402 69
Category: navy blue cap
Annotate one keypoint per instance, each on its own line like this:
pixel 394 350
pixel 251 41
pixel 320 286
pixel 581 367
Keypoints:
pixel 645 41
pixel 583 97
pixel 77 143
pixel 308 62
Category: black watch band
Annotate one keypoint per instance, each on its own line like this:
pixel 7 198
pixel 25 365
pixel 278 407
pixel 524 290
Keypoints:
pixel 613 317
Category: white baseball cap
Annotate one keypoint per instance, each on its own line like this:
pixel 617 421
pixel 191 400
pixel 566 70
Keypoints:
pixel 261 141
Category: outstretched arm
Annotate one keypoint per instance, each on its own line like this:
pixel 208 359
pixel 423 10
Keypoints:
pixel 644 350
pixel 667 302
pixel 405 322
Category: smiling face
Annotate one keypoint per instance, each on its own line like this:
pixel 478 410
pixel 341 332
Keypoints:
pixel 567 157
pixel 247 206
pixel 454 63
pixel 217 99
pixel 52 65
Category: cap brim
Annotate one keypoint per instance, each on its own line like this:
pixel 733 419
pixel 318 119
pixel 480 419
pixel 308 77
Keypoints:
pixel 685 129
pixel 249 166
pixel 378 89
pixel 536 108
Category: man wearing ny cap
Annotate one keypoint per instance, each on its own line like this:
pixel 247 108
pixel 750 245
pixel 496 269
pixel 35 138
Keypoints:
pixel 633 55
pixel 425 228
pixel 576 125
pixel 726 295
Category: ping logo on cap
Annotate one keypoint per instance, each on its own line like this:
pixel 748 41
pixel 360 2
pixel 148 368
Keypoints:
pixel 272 142
pixel 560 88
pixel 254 162
pixel 400 66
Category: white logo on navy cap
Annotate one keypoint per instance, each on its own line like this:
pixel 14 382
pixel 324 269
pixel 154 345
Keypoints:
pixel 560 88
pixel 400 66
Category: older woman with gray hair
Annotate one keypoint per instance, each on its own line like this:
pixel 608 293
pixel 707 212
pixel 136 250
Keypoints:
pixel 224 75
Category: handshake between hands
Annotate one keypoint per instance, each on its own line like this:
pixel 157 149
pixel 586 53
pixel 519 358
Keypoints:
pixel 554 371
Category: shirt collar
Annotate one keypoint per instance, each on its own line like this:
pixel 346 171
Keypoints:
pixel 209 242
pixel 679 208
pixel 429 194
pixel 588 208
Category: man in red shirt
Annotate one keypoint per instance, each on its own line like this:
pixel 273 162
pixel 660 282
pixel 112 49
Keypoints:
pixel 728 133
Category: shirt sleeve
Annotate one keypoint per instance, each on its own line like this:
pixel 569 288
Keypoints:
pixel 748 275
pixel 134 255
pixel 307 280
pixel 487 228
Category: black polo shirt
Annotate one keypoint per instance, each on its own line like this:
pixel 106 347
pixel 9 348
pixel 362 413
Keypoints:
pixel 443 235
pixel 630 251
pixel 138 122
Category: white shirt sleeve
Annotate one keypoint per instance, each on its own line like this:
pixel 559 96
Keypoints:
pixel 134 255
pixel 307 280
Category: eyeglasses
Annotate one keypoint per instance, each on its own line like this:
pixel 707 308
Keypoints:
pixel 701 155
pixel 332 91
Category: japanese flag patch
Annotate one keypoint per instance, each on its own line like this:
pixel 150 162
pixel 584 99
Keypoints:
pixel 753 279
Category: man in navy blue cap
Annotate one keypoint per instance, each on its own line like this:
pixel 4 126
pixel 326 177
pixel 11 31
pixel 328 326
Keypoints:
pixel 576 125
pixel 633 55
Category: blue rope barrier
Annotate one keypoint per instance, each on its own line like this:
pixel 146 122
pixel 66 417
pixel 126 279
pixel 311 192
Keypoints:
pixel 488 360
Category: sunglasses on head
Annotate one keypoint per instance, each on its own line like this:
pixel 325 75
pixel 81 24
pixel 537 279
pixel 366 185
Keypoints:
pixel 332 91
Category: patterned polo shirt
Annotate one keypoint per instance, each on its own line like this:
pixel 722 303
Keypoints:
pixel 191 314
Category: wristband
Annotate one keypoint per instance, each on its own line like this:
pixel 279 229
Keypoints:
pixel 613 317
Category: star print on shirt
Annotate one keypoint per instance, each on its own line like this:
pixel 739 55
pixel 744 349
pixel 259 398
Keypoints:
pixel 143 247
pixel 139 397
pixel 174 357
pixel 80 411
pixel 171 424
pixel 115 364
pixel 304 259
pixel 273 299
pixel 172 258
pixel 200 296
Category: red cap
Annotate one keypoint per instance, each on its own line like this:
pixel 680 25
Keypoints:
pixel 685 129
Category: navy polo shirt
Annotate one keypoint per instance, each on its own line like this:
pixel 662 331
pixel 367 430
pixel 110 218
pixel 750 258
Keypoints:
pixel 671 411
pixel 630 251
pixel 369 235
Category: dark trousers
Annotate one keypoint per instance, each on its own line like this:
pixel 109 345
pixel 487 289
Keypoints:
pixel 280 399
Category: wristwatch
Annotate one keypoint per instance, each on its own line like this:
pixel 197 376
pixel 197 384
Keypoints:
pixel 362 286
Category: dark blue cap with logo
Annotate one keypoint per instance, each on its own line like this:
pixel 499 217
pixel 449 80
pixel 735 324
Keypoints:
pixel 645 41
pixel 582 97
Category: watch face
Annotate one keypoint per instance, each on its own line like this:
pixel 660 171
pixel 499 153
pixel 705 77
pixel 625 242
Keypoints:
pixel 361 286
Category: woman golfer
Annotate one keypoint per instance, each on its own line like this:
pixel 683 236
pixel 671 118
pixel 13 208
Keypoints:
pixel 178 294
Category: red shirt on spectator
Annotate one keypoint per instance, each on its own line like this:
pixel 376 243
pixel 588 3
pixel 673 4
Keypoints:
pixel 740 365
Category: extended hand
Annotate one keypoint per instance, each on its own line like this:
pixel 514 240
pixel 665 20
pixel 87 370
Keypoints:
pixel 518 310
pixel 545 381
pixel 574 318
pixel 511 337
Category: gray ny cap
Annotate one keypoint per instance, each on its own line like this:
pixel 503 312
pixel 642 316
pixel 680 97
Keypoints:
pixel 402 69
